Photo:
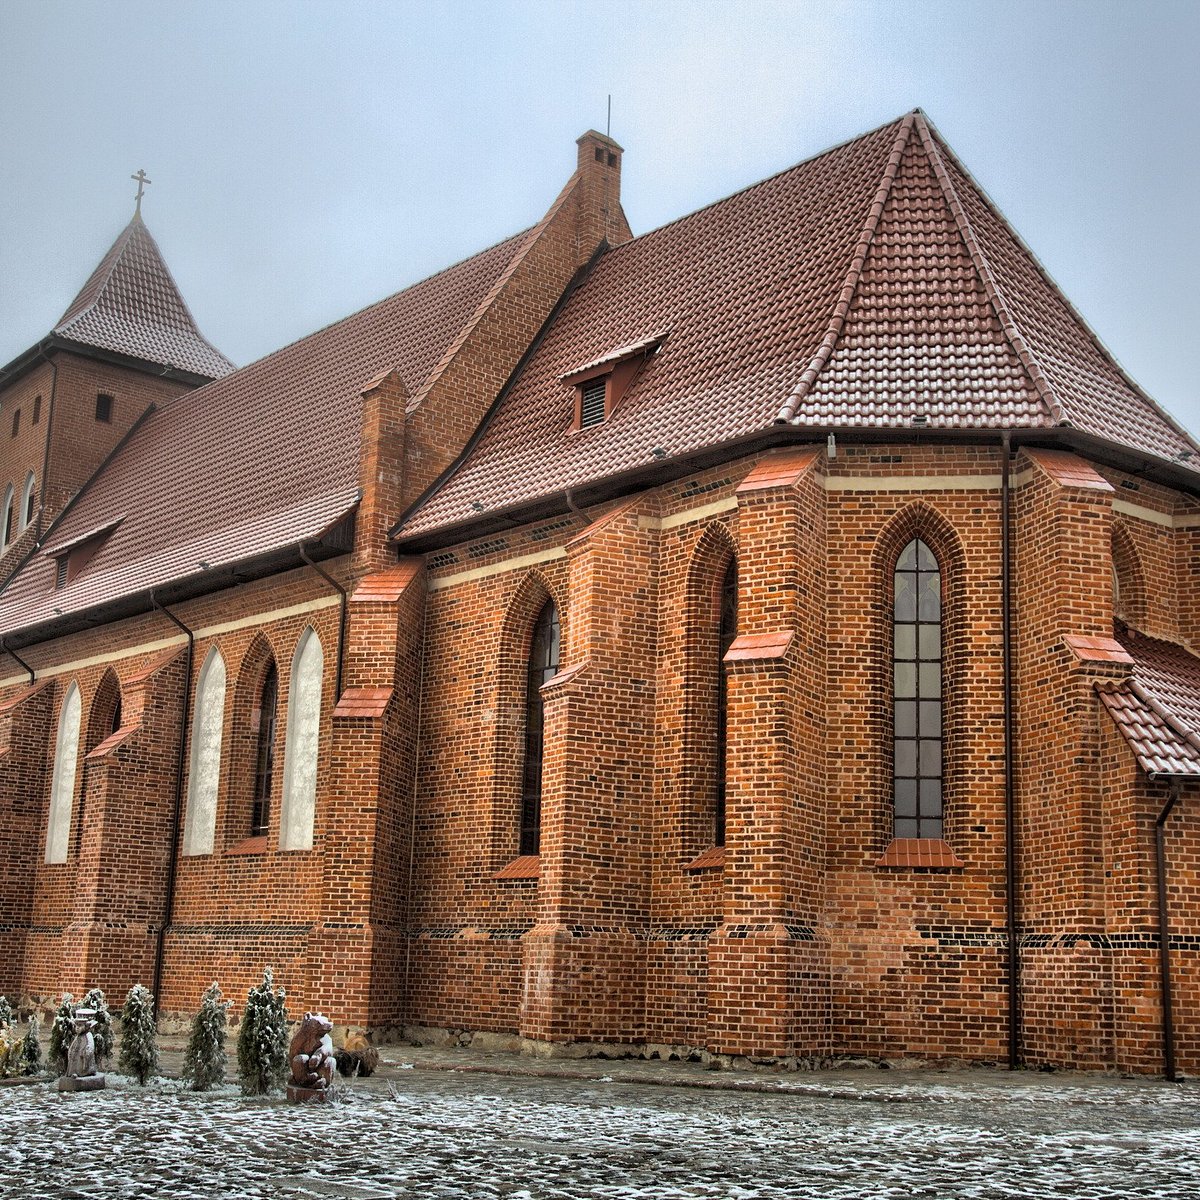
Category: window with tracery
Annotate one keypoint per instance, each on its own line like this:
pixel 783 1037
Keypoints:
pixel 917 693
pixel 204 776
pixel 264 761
pixel 303 745
pixel 62 788
pixel 544 654
pixel 727 631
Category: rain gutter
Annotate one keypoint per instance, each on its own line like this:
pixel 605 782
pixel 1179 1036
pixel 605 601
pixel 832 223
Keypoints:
pixel 177 806
pixel 341 591
pixel 1011 877
pixel 1164 936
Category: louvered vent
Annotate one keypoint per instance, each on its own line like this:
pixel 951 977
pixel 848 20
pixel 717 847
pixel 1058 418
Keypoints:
pixel 591 404
pixel 60 572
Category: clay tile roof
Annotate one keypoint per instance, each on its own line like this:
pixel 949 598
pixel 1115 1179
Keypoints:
pixel 252 463
pixel 386 586
pixel 131 306
pixel 1158 710
pixel 1069 470
pixel 862 288
pixel 1097 649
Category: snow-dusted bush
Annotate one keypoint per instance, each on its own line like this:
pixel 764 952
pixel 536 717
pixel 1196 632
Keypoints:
pixel 139 1054
pixel 9 1051
pixel 204 1058
pixel 31 1049
pixel 61 1033
pixel 103 1034
pixel 6 1012
pixel 262 1046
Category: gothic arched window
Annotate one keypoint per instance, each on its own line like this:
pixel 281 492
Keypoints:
pixel 303 743
pixel 205 773
pixel 543 666
pixel 917 693
pixel 7 518
pixel 28 496
pixel 727 631
pixel 62 789
pixel 264 759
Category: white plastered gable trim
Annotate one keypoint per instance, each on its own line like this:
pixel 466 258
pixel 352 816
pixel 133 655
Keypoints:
pixel 204 774
pixel 62 789
pixel 303 744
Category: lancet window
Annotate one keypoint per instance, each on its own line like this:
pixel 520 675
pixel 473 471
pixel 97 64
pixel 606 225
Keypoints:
pixel 543 665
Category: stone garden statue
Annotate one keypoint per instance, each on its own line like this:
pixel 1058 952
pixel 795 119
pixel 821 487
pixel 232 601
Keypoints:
pixel 82 1075
pixel 312 1060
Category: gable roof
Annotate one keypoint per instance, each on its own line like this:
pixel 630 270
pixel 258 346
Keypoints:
pixel 131 305
pixel 1157 710
pixel 251 464
pixel 863 287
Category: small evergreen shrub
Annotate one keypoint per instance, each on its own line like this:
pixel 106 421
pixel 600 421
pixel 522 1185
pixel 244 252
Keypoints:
pixel 103 1034
pixel 9 1050
pixel 204 1059
pixel 139 1053
pixel 31 1049
pixel 6 1012
pixel 262 1046
pixel 61 1033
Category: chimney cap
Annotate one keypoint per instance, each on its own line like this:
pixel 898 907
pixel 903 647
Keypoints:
pixel 593 136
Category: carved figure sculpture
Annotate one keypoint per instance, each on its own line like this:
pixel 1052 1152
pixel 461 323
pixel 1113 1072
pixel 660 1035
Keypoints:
pixel 82 1075
pixel 311 1055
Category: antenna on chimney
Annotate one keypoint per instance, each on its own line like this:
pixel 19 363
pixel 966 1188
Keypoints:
pixel 608 127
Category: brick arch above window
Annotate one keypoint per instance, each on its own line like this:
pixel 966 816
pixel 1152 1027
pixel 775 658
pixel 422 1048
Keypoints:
pixel 1129 578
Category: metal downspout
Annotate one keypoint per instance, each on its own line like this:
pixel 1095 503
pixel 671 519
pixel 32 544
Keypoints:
pixel 15 655
pixel 172 861
pixel 1164 937
pixel 1011 878
pixel 341 591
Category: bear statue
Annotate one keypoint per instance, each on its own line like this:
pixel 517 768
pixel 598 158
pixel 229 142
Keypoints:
pixel 311 1055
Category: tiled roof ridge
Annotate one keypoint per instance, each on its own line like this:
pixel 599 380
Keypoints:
pixel 358 312
pixel 841 308
pixel 1041 384
pixel 525 241
pixel 97 281
pixel 115 257
pixel 758 183
pixel 945 150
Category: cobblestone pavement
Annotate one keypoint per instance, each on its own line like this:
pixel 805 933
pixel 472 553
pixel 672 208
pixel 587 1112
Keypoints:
pixel 447 1133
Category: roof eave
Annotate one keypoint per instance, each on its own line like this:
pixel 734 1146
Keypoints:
pixel 333 542
pixel 660 471
pixel 52 343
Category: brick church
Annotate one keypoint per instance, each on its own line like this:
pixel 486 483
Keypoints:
pixel 771 634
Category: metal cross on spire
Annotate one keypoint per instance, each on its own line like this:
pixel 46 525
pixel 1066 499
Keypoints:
pixel 142 180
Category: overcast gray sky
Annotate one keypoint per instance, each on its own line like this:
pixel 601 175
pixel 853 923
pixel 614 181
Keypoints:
pixel 311 157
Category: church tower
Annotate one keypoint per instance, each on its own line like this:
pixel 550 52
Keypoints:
pixel 126 342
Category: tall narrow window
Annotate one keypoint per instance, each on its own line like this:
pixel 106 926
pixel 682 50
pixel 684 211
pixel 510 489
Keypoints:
pixel 917 693
pixel 303 744
pixel 543 666
pixel 62 789
pixel 37 410
pixel 28 496
pixel 205 773
pixel 7 518
pixel 264 766
pixel 104 407
pixel 727 632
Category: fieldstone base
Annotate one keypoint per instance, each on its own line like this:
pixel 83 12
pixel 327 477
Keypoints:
pixel 80 1083
pixel 303 1095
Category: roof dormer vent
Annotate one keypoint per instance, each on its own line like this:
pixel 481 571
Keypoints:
pixel 602 383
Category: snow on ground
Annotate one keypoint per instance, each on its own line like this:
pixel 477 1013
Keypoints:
pixel 443 1135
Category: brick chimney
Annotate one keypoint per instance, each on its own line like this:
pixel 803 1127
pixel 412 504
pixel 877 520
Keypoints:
pixel 600 216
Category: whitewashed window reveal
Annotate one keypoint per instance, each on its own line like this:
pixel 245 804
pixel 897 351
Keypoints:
pixel 6 519
pixel 62 790
pixel 204 777
pixel 303 736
